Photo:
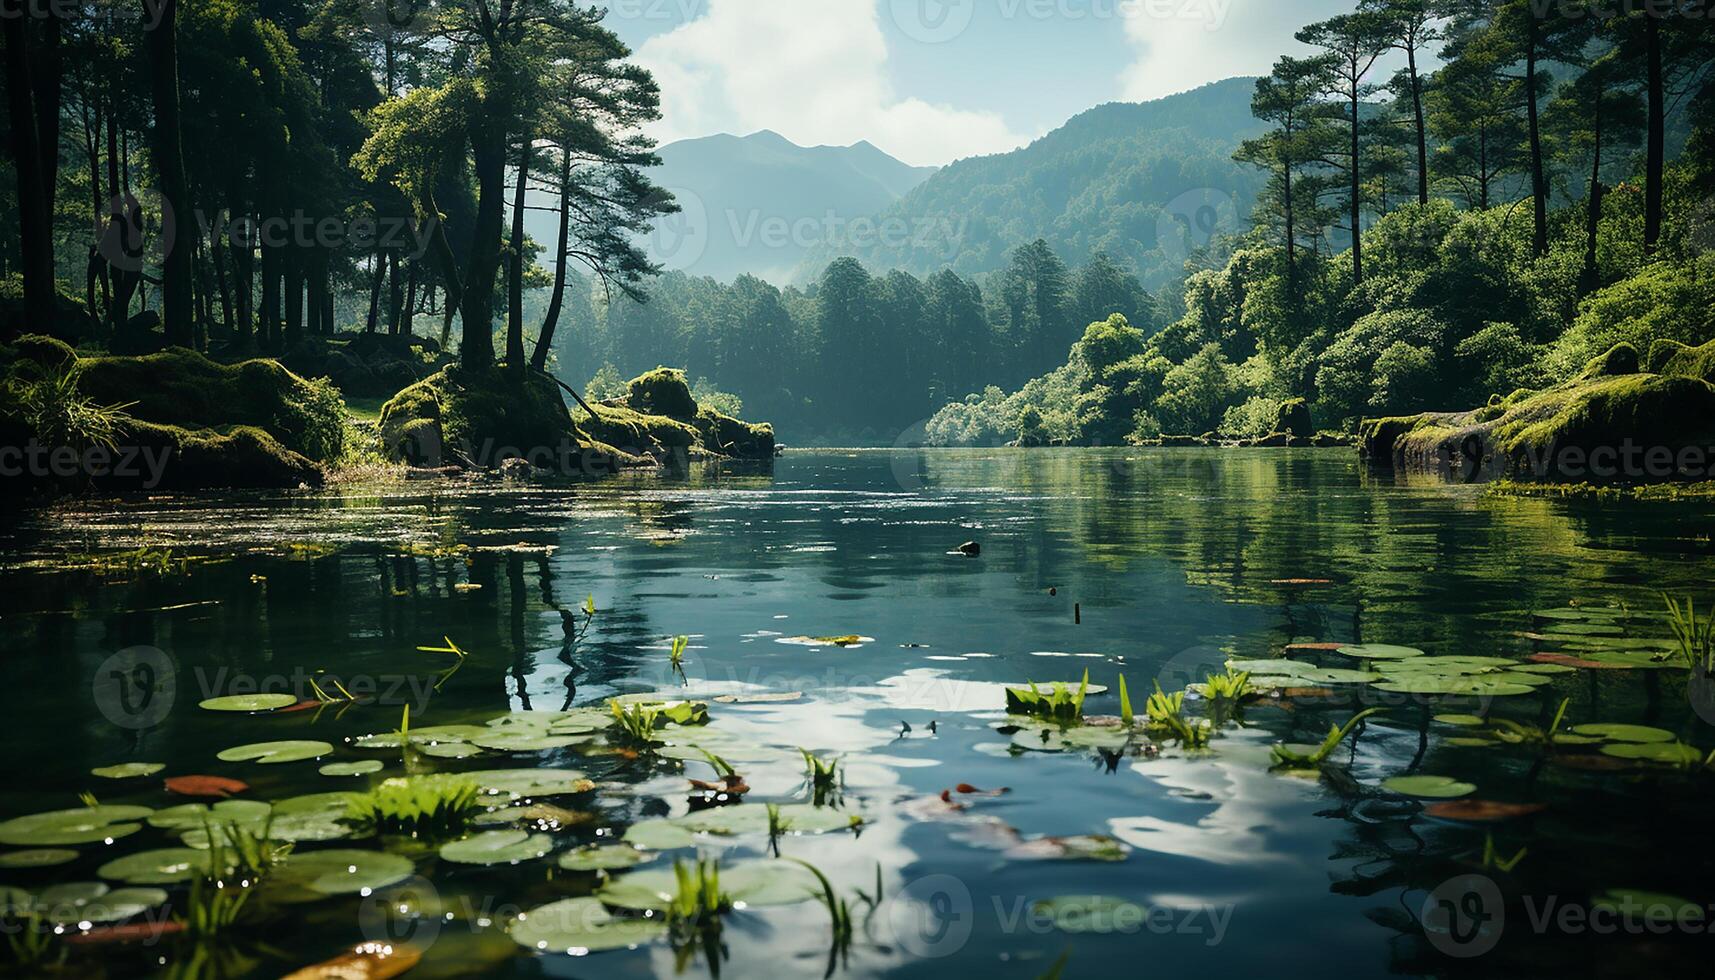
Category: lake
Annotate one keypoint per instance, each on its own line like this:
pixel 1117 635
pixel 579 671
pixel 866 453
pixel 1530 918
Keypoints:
pixel 1160 565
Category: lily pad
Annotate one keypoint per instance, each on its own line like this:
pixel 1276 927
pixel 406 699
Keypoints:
pixel 1379 651
pixel 363 768
pixel 93 902
pixel 1427 683
pixel 1099 914
pixel 166 866
pixel 1430 787
pixel 249 702
pixel 82 825
pixel 756 884
pixel 497 847
pixel 308 874
pixel 526 741
pixel 1649 906
pixel 1481 811
pixel 513 784
pixel 658 835
pixel 128 770
pixel 38 857
pixel 449 750
pixel 577 926
pixel 1462 721
pixel 194 816
pixel 271 753
pixel 1666 753
pixel 609 858
pixel 1625 733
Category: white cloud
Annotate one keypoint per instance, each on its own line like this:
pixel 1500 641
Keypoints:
pixel 1182 44
pixel 814 71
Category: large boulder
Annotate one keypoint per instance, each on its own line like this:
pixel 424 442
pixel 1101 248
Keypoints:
pixel 1294 419
pixel 1610 424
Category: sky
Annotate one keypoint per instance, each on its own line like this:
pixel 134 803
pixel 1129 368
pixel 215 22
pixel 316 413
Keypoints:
pixel 931 81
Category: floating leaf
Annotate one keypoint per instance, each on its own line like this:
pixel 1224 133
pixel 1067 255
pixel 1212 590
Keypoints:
pixel 581 925
pixel 128 770
pixel 607 858
pixel 526 741
pixel 1452 685
pixel 1481 811
pixel 166 866
pixel 759 698
pixel 194 816
pixel 307 874
pixel 205 786
pixel 1625 733
pixel 1666 753
pixel 497 847
pixel 658 835
pixel 83 825
pixel 249 702
pixel 1099 914
pixel 758 884
pixel 40 857
pixel 1462 721
pixel 363 768
pixel 271 753
pixel 79 902
pixel 1432 787
pixel 1379 651
pixel 1078 847
pixel 1649 906
pixel 517 783
pixel 368 961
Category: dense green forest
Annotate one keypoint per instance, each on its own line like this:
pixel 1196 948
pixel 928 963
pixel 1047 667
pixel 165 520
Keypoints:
pixel 1427 240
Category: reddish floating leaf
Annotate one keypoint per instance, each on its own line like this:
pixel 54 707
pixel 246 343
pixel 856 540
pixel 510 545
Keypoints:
pixel 1308 692
pixel 303 705
pixel 969 790
pixel 205 786
pixel 370 961
pixel 1568 660
pixel 1481 811
pixel 1301 581
pixel 130 932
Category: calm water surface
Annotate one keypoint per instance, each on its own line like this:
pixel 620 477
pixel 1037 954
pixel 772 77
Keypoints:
pixel 1174 561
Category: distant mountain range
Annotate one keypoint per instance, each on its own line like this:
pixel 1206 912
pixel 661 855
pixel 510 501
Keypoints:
pixel 1145 182
pixel 762 204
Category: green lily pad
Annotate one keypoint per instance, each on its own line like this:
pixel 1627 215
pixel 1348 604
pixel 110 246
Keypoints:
pixel 1428 787
pixel 1625 733
pixel 513 784
pixel 82 825
pixel 1462 721
pixel 449 750
pixel 422 737
pixel 1649 906
pixel 526 741
pixel 603 858
pixel 306 875
pixel 1099 914
pixel 363 768
pixel 128 770
pixel 166 866
pixel 271 753
pixel 1379 651
pixel 193 816
pixel 577 926
pixel 755 884
pixel 658 835
pixel 249 702
pixel 93 902
pixel 1666 753
pixel 39 857
pixel 1452 685
pixel 497 847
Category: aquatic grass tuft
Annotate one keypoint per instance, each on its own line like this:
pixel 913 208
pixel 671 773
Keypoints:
pixel 1696 640
pixel 35 946
pixel 1492 860
pixel 823 775
pixel 1059 703
pixel 694 912
pixel 636 722
pixel 434 806
pixel 1126 716
pixel 1286 756
pixel 1162 707
pixel 840 916
pixel 1230 686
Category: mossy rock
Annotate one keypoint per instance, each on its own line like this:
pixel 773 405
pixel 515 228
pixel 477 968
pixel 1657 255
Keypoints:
pixel 1622 359
pixel 179 387
pixel 1294 419
pixel 663 391
pixel 1547 435
pixel 243 457
pixel 730 437
pixel 643 435
pixel 1674 359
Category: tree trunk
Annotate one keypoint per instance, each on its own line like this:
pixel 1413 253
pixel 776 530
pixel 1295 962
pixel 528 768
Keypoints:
pixel 35 219
pixel 1656 154
pixel 374 314
pixel 1538 179
pixel 476 305
pixel 269 324
pixel 293 273
pixel 1422 137
pixel 176 272
pixel 395 290
pixel 1590 279
pixel 1357 201
pixel 545 342
pixel 515 279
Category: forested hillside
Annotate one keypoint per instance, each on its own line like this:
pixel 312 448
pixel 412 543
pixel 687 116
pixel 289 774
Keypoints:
pixel 1147 183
